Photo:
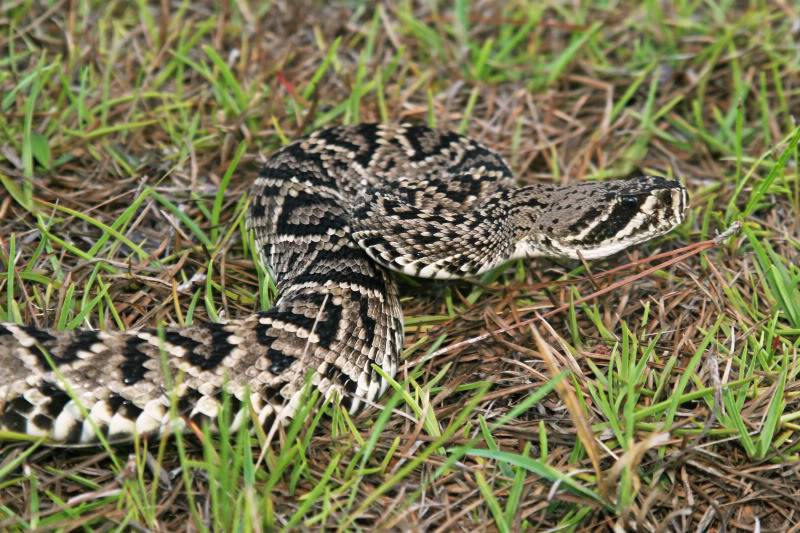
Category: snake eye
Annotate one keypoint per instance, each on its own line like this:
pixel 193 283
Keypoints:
pixel 630 201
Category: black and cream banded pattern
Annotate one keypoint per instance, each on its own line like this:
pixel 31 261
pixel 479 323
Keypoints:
pixel 332 214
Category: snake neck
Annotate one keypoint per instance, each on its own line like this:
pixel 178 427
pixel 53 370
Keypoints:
pixel 586 220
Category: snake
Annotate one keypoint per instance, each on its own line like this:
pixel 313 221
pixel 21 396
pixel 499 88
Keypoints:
pixel 334 216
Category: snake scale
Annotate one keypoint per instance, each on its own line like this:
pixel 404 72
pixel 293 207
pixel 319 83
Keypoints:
pixel 333 213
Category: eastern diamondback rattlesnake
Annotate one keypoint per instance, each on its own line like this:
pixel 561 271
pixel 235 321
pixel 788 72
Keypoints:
pixel 332 213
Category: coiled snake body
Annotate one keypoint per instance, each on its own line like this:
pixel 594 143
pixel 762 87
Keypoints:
pixel 332 213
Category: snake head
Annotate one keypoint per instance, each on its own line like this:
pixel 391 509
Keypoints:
pixel 597 219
